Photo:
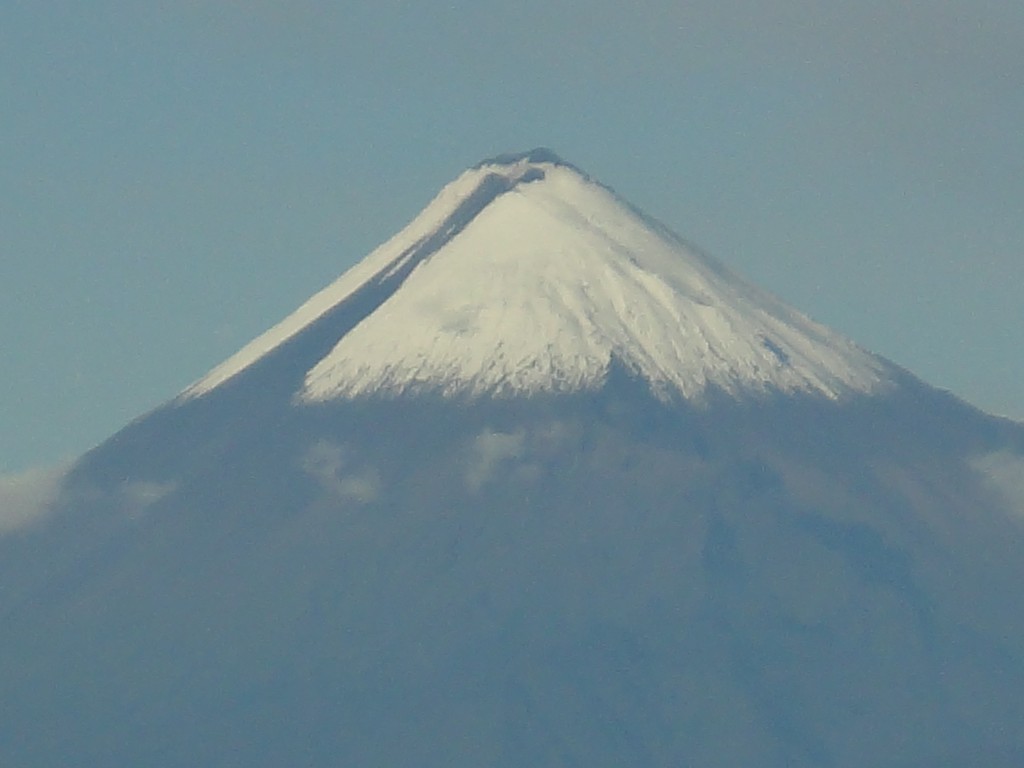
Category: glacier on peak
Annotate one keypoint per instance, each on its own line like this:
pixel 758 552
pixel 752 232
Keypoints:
pixel 525 276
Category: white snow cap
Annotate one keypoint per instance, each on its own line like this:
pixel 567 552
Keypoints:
pixel 525 276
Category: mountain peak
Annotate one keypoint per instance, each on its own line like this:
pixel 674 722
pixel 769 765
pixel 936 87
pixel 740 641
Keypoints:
pixel 532 161
pixel 535 156
pixel 526 276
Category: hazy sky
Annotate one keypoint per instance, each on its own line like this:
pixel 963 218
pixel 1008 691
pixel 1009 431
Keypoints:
pixel 177 176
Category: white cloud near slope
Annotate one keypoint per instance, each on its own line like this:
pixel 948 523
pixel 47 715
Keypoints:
pixel 1006 472
pixel 27 497
pixel 329 464
pixel 490 451
pixel 136 496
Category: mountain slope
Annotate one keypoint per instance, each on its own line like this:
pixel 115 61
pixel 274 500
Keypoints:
pixel 663 544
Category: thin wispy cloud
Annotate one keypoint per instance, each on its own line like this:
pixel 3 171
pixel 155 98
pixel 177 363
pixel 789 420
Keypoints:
pixel 1005 471
pixel 332 467
pixel 136 496
pixel 26 498
pixel 490 450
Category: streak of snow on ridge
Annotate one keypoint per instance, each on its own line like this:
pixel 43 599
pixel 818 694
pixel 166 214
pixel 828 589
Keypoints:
pixel 427 232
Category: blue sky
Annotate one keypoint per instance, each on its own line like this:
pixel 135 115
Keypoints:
pixel 177 176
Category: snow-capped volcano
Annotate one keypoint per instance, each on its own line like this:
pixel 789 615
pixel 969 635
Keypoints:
pixel 525 276
pixel 292 564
